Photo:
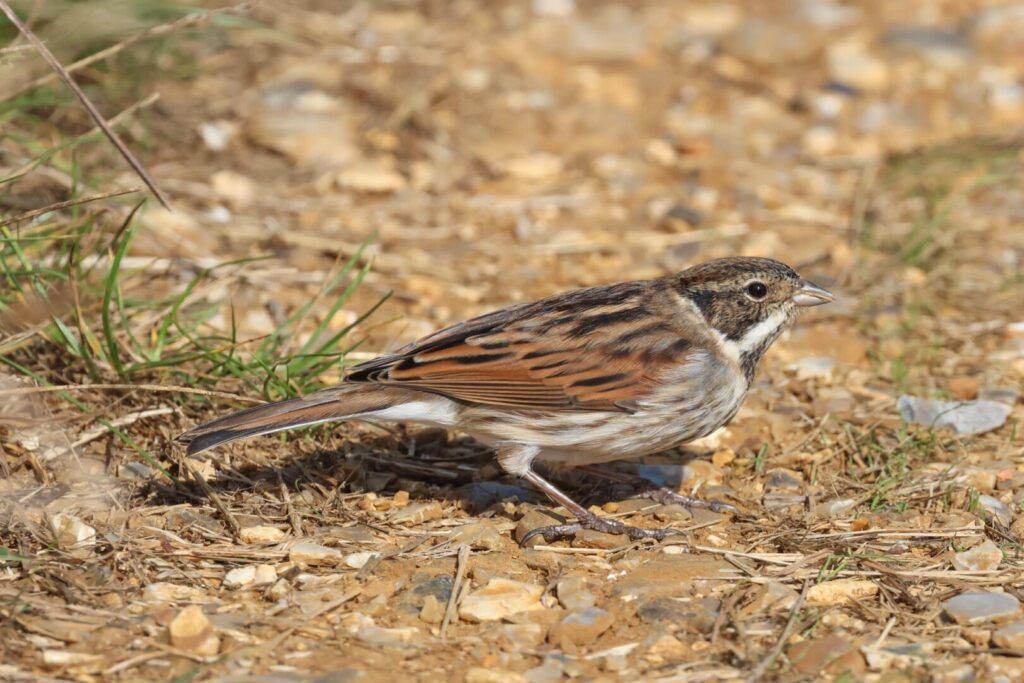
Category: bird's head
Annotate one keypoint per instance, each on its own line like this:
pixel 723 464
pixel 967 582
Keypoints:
pixel 748 302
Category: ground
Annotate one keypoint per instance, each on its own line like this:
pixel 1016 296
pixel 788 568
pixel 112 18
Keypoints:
pixel 484 154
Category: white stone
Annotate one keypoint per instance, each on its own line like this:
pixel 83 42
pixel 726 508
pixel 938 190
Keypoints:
pixel 71 531
pixel 499 599
pixel 239 577
pixel 261 534
pixel 314 553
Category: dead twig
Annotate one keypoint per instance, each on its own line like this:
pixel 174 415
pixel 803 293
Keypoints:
pixel 85 101
pixel 453 599
pixel 215 499
pixel 28 215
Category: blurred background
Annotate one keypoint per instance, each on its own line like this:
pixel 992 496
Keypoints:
pixel 347 176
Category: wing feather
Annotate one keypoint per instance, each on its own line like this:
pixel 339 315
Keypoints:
pixel 599 349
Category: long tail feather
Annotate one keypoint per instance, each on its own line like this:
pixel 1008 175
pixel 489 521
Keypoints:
pixel 329 405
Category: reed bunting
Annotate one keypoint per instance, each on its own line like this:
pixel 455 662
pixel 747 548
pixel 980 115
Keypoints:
pixel 576 379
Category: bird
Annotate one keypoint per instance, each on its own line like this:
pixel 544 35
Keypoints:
pixel 574 380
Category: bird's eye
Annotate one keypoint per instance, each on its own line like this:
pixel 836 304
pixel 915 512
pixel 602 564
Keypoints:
pixel 757 290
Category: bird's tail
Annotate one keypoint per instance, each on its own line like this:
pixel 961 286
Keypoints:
pixel 330 405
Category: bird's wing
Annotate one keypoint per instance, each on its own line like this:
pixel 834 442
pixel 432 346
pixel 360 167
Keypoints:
pixel 596 349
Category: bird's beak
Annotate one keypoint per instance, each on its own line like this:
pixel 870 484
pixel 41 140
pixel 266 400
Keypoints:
pixel 811 294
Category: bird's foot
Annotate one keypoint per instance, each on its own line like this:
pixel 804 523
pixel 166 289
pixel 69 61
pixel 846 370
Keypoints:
pixel 588 520
pixel 666 496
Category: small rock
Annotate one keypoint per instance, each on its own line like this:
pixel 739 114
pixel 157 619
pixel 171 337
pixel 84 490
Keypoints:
pixel 814 367
pixel 551 670
pixel 983 557
pixel 388 637
pixel 358 560
pixel 172 592
pixel 830 654
pixel 965 388
pixel 553 8
pixel 666 647
pixel 479 674
pixel 965 417
pixel 479 535
pixel 72 532
pixel 581 626
pixel 776 597
pixel 438 587
pixel 997 508
pixel 192 632
pixel 970 609
pixel 261 534
pixel 780 479
pixel 1010 636
pixel 217 135
pixel 539 166
pixel 418 513
pixel 499 599
pixel 589 538
pixel 265 574
pixel 534 519
pixel 832 401
pixel 522 636
pixel 239 577
pixel 697 616
pixel 371 178
pixel 850 63
pixel 573 594
pixel 313 553
pixel 840 592
pixel 432 611
pixel 236 189
pixel 279 590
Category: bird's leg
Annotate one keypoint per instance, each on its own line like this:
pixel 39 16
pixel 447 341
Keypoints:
pixel 518 460
pixel 645 488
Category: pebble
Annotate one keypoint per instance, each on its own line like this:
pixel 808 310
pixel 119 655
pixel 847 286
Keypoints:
pixel 553 8
pixel 573 594
pixel 538 166
pixel 840 592
pixel 72 532
pixel 173 592
pixel 965 417
pixel 279 590
pixel 551 670
pixel 814 367
pixel 983 557
pixel 438 587
pixel 830 654
pixel 313 553
pixel 432 611
pixel 55 658
pixel 533 519
pixel 481 535
pixel 500 598
pixel 962 673
pixel 835 508
pixel 832 401
pixel 775 597
pixel 388 637
pixel 997 508
pixel 581 626
pixel 371 178
pixel 589 538
pixel 358 560
pixel 522 636
pixel 239 577
pixel 1010 636
pixel 666 647
pixel 418 513
pixel 261 534
pixel 192 632
pixel 698 615
pixel 969 609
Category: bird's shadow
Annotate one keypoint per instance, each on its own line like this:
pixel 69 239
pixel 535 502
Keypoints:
pixel 430 464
